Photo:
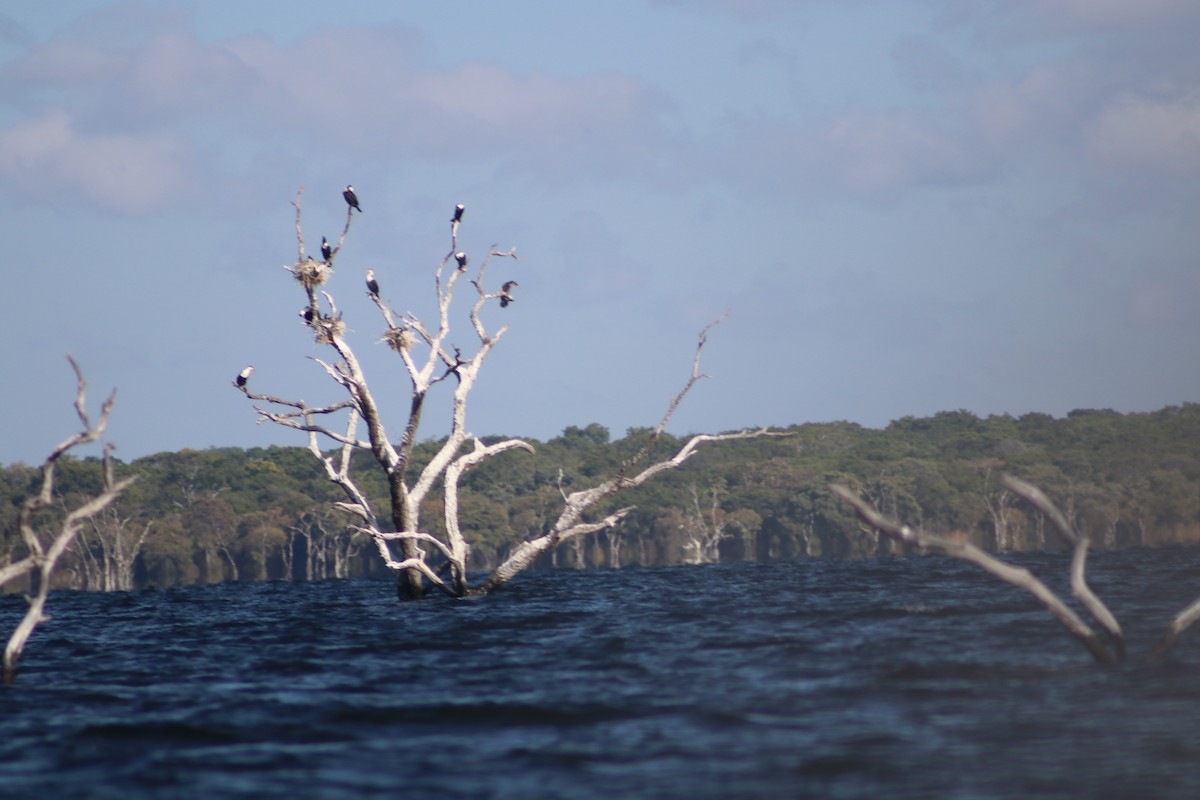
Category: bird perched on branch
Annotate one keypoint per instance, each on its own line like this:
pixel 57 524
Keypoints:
pixel 243 376
pixel 308 314
pixel 458 212
pixel 326 250
pixel 351 198
pixel 461 258
pixel 506 293
pixel 372 284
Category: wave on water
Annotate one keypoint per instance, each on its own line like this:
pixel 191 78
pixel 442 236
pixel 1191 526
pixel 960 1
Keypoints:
pixel 913 677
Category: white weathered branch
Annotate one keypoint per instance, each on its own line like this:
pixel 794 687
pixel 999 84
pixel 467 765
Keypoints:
pixel 1178 625
pixel 17 569
pixel 1017 576
pixel 454 471
pixel 524 554
pixel 1079 584
pixel 43 559
pixel 576 503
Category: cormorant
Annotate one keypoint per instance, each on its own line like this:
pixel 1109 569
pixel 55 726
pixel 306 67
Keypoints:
pixel 506 293
pixel 326 250
pixel 308 313
pixel 461 258
pixel 458 212
pixel 372 284
pixel 242 376
pixel 351 198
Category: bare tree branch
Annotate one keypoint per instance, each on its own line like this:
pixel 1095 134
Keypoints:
pixel 1017 576
pixel 1178 625
pixel 676 401
pixel 43 558
pixel 577 503
pixel 1079 585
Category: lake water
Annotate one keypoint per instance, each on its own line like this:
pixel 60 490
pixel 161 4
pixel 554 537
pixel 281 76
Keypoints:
pixel 891 678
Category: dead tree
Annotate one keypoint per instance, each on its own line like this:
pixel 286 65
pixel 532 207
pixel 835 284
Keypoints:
pixel 109 554
pixel 1107 645
pixel 430 358
pixel 45 548
pixel 704 528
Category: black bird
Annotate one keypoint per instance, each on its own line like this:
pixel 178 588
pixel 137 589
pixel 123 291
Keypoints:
pixel 351 198
pixel 458 212
pixel 326 250
pixel 461 258
pixel 242 376
pixel 372 284
pixel 308 314
pixel 506 293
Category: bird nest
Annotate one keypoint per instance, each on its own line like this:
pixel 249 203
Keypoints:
pixel 326 328
pixel 399 339
pixel 312 273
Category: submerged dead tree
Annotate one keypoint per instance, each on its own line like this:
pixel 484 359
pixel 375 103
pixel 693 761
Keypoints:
pixel 108 554
pixel 44 547
pixel 1107 645
pixel 429 357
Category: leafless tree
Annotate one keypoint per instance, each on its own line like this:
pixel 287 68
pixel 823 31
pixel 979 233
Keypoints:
pixel 704 528
pixel 109 552
pixel 429 358
pixel 326 554
pixel 1106 646
pixel 45 548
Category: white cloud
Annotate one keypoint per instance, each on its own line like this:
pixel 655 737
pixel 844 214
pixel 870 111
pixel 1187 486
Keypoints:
pixel 157 98
pixel 48 156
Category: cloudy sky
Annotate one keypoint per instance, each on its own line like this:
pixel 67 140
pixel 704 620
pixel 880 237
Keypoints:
pixel 905 207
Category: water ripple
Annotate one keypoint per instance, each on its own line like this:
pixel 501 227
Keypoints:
pixel 882 678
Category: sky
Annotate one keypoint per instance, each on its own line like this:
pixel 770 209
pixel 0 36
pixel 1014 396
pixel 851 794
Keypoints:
pixel 904 207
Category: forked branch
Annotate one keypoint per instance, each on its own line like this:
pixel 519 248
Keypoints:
pixel 1017 576
pixel 1079 585
pixel 45 553
pixel 570 522
pixel 1096 644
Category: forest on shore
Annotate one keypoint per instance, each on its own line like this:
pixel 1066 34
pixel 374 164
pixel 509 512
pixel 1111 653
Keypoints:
pixel 225 514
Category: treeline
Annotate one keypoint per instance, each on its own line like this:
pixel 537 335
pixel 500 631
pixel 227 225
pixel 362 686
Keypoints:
pixel 266 514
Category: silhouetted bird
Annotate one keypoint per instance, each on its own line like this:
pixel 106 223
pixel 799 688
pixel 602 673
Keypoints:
pixel 351 198
pixel 372 284
pixel 461 258
pixel 243 375
pixel 506 293
pixel 326 250
pixel 458 212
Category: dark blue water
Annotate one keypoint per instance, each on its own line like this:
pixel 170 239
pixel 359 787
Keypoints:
pixel 884 678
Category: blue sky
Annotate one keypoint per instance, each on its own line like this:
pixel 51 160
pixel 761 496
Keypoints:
pixel 906 207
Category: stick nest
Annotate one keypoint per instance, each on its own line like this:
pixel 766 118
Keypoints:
pixel 326 328
pixel 399 339
pixel 312 273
